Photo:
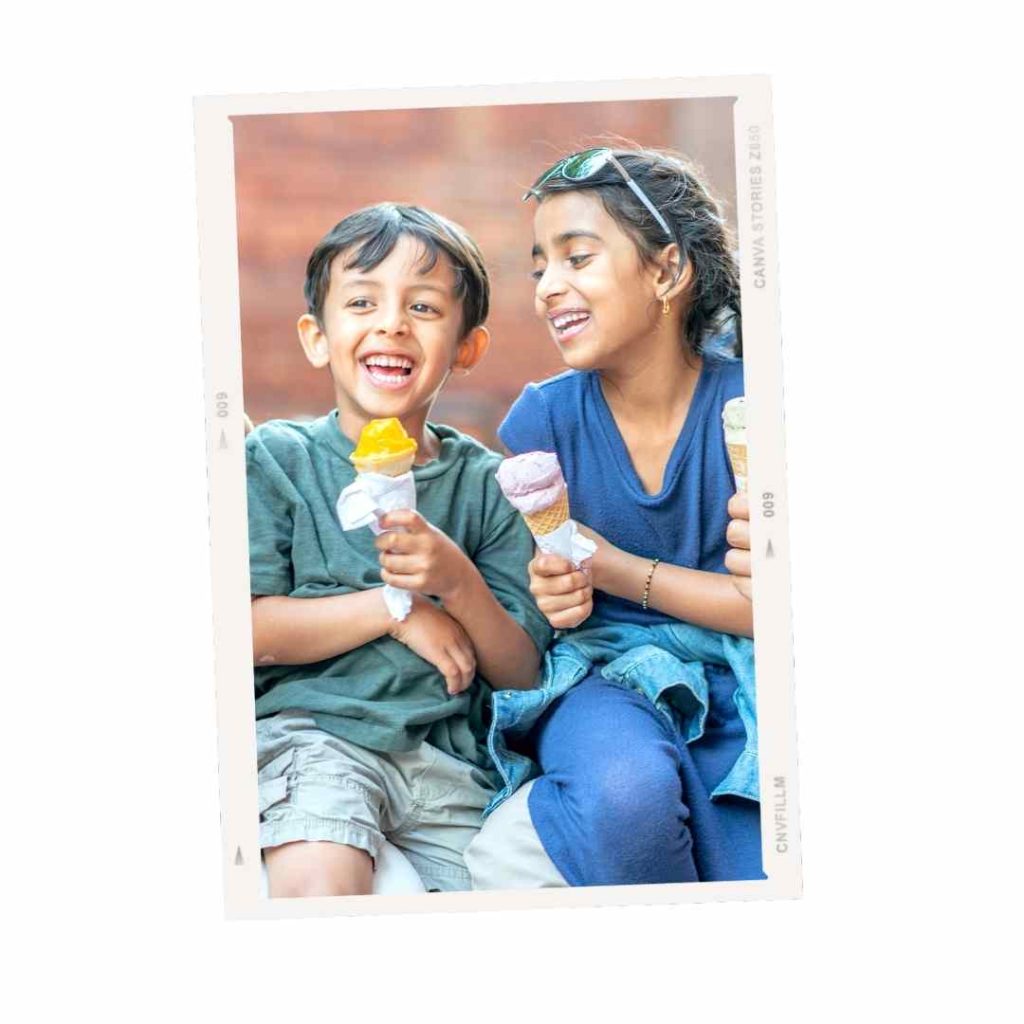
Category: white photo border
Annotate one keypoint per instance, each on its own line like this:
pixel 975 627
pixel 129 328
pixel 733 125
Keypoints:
pixel 221 326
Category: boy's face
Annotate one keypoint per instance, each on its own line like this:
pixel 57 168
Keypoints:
pixel 391 337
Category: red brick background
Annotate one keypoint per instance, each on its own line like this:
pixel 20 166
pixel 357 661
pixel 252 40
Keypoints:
pixel 298 174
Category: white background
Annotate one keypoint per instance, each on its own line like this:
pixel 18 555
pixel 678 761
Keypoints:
pixel 899 209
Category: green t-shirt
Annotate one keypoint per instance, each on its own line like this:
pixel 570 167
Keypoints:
pixel 381 695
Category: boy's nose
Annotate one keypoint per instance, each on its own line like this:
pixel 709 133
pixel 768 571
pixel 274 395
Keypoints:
pixel 392 321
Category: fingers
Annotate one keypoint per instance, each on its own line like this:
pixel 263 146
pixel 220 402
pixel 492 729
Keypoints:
pixel 397 543
pixel 739 506
pixel 553 586
pixel 571 617
pixel 401 565
pixel 743 585
pixel 564 602
pixel 737 561
pixel 550 565
pixel 404 518
pixel 737 534
pixel 462 668
pixel 405 581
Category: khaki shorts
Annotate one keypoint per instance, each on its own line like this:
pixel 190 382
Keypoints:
pixel 316 787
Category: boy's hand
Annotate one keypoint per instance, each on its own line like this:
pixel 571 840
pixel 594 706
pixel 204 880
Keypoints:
pixel 417 556
pixel 436 637
pixel 737 536
pixel 564 595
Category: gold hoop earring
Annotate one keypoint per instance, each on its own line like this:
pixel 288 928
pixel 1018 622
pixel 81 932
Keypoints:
pixel 665 307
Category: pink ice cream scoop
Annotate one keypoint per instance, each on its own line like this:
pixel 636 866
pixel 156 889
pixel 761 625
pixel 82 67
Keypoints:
pixel 532 481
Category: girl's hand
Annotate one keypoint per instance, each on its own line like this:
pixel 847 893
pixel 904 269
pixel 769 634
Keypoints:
pixel 417 556
pixel 737 536
pixel 564 595
pixel 436 637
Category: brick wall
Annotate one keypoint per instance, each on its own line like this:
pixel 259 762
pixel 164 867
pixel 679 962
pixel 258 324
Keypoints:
pixel 298 174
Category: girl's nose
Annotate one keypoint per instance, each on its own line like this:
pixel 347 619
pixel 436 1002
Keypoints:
pixel 549 284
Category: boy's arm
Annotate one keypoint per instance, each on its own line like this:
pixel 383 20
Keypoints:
pixel 424 559
pixel 300 631
pixel 505 653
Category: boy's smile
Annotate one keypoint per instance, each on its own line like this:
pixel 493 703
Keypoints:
pixel 390 371
pixel 391 336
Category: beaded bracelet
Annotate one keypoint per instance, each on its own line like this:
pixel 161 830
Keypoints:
pixel 647 583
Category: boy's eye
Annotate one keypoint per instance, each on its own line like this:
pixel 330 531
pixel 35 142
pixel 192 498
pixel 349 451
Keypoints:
pixel 537 273
pixel 579 259
pixel 422 307
pixel 359 303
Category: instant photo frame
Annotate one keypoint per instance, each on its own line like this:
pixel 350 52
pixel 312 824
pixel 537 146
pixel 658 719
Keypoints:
pixel 739 110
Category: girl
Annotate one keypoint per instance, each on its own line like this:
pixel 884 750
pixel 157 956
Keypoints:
pixel 645 734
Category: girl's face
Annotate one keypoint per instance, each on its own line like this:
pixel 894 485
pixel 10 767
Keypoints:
pixel 596 296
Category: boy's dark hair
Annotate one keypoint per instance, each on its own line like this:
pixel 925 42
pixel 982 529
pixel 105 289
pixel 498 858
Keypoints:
pixel 368 236
pixel 679 193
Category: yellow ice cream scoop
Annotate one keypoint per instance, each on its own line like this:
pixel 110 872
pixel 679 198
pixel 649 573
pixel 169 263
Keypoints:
pixel 384 447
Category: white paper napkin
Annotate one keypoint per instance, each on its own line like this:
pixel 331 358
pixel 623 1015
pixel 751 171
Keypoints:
pixel 364 503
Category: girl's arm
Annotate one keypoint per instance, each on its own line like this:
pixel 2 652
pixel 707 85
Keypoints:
pixel 708 599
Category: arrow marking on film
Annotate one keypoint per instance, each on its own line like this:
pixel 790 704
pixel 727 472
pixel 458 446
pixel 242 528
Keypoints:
pixel 223 439
pixel 770 553
pixel 238 857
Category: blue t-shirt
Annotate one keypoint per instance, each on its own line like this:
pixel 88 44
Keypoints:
pixel 685 523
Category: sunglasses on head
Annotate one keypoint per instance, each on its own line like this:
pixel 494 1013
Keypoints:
pixel 582 166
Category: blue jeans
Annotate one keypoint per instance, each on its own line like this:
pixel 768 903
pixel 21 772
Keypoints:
pixel 624 800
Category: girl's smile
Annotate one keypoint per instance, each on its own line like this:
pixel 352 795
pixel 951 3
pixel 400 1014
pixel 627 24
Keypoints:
pixel 599 300
pixel 568 323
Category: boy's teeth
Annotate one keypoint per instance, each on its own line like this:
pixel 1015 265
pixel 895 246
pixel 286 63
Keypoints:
pixel 399 362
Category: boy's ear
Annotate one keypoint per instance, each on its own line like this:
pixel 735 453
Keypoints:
pixel 472 349
pixel 313 341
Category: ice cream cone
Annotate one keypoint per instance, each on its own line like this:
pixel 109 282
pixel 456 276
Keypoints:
pixel 384 447
pixel 738 460
pixel 549 519
pixel 734 421
pixel 386 465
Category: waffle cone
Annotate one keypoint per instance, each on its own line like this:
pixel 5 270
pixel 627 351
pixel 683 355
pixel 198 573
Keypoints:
pixel 549 519
pixel 738 460
pixel 393 465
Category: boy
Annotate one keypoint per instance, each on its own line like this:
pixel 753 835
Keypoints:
pixel 369 728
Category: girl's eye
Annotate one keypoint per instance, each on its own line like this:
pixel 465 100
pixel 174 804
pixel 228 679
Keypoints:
pixel 579 259
pixel 537 274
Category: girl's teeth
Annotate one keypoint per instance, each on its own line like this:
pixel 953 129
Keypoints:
pixel 562 322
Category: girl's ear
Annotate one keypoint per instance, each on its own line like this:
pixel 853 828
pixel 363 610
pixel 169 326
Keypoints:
pixel 672 280
pixel 313 341
pixel 471 349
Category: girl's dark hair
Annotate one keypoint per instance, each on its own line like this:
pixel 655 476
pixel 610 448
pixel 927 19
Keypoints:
pixel 679 193
pixel 368 236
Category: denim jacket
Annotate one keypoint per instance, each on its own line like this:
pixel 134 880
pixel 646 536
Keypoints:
pixel 664 662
